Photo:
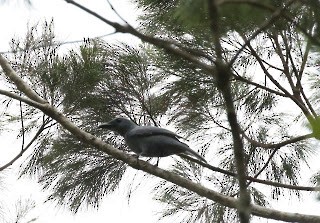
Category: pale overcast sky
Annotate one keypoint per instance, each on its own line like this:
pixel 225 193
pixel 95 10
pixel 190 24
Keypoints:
pixel 73 24
pixel 70 24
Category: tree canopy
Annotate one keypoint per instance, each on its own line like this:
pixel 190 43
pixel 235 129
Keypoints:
pixel 238 79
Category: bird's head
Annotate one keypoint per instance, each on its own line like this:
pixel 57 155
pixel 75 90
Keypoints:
pixel 119 125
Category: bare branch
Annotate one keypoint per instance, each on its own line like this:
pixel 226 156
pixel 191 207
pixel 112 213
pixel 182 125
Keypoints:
pixel 21 85
pixel 151 169
pixel 115 11
pixel 264 166
pixel 277 14
pixel 297 101
pixel 23 150
pixel 22 125
pixel 285 63
pixel 20 98
pixel 277 145
pixel 299 78
pixel 242 79
pixel 170 46
pixel 253 179
pixel 224 74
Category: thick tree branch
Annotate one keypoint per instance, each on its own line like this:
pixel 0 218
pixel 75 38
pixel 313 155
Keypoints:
pixel 223 83
pixel 20 98
pixel 20 84
pixel 151 169
pixel 169 176
pixel 170 46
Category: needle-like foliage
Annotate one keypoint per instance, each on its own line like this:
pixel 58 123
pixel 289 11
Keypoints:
pixel 262 48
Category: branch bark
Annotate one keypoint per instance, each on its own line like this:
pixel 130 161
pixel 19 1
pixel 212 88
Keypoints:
pixel 251 179
pixel 18 81
pixel 170 46
pixel 85 137
pixel 224 74
pixel 277 145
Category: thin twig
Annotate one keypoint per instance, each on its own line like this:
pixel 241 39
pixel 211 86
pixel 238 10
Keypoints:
pixel 242 79
pixel 277 14
pixel 23 150
pixel 285 63
pixel 253 179
pixel 166 175
pixel 277 145
pixel 22 125
pixel 299 78
pixel 115 11
pixel 161 43
pixel 264 166
pixel 298 102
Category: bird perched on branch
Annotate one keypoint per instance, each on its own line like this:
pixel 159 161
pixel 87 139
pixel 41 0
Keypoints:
pixel 149 141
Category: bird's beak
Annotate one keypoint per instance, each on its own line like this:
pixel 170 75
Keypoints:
pixel 105 125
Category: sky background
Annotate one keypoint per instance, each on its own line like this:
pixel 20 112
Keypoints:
pixel 73 24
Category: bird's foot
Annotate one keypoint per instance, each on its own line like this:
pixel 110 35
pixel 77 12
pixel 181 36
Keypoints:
pixel 158 159
pixel 157 163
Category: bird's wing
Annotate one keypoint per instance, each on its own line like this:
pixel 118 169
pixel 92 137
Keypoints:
pixel 152 130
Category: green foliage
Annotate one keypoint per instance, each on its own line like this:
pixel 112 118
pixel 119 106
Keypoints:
pixel 187 16
pixel 315 124
pixel 79 175
pixel 180 200
pixel 197 106
pixel 90 85
pixel 98 81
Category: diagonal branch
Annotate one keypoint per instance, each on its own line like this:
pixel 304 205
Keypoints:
pixel 264 166
pixel 297 101
pixel 20 98
pixel 85 137
pixel 253 179
pixel 242 79
pixel 20 84
pixel 277 14
pixel 116 12
pixel 170 46
pixel 169 176
pixel 277 145
pixel 284 61
pixel 24 149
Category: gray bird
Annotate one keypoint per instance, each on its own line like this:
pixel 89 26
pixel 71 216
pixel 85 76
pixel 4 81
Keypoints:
pixel 149 141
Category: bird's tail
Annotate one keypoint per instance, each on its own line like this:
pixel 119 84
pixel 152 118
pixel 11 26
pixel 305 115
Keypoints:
pixel 195 154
